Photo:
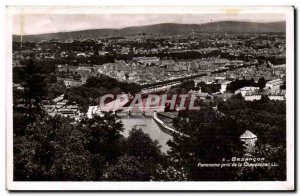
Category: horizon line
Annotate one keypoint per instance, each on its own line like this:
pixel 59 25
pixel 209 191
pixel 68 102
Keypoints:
pixel 147 25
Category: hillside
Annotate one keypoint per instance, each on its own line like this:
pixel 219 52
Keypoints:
pixel 163 29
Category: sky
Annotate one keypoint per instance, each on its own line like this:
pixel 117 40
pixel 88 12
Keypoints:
pixel 50 23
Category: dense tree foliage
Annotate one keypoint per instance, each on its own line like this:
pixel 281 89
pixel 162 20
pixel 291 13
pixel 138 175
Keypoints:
pixel 53 148
pixel 209 88
pixel 236 84
pixel 96 87
pixel 55 90
pixel 266 118
pixel 128 168
pixel 274 154
pixel 35 84
pixel 140 160
pixel 27 100
pixel 182 88
pixel 211 136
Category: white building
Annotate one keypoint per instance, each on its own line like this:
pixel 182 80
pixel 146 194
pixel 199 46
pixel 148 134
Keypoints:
pixel 71 83
pixel 277 97
pixel 224 86
pixel 248 136
pixel 59 98
pixel 146 60
pixel 274 85
pixel 200 94
pixel 248 139
pixel 247 90
pixel 252 97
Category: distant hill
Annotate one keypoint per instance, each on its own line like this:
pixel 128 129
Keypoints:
pixel 163 29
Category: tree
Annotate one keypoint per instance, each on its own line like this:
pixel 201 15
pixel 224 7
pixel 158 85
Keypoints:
pixel 235 85
pixel 187 85
pixel 102 135
pixel 34 84
pixel 209 137
pixel 128 168
pixel 261 83
pixel 211 88
pixel 141 145
pixel 52 79
pixel 126 76
pixel 51 149
pixel 55 90
pixel 272 154
pixel 27 103
pixel 169 173
pixel 145 150
pixel 201 84
pixel 283 86
pixel 267 119
pixel 140 159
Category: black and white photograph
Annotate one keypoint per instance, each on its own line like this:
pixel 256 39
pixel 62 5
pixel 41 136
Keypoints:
pixel 150 98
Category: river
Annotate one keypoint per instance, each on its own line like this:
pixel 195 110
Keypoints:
pixel 148 125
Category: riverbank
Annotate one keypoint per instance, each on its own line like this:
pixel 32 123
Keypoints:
pixel 149 126
pixel 164 127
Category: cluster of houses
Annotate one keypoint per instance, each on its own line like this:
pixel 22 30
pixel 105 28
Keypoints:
pixel 76 75
pixel 200 95
pixel 249 93
pixel 146 60
pixel 272 90
pixel 60 106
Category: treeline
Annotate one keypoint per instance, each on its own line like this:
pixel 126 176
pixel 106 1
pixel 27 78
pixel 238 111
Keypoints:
pixel 45 67
pixel 94 47
pixel 54 149
pixel 186 86
pixel 74 60
pixel 266 117
pixel 41 79
pixel 209 88
pixel 237 84
pixel 97 86
pixel 214 135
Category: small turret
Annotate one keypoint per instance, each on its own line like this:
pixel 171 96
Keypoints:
pixel 248 139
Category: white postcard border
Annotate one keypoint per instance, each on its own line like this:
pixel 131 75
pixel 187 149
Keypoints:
pixel 233 185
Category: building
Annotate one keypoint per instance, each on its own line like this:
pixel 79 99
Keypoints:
pixel 248 136
pixel 236 63
pixel 67 68
pixel 18 86
pixel 62 108
pixel 274 85
pixel 84 72
pixel 146 60
pixel 71 83
pixel 277 97
pixel 247 90
pixel 200 94
pixel 224 86
pixel 177 67
pixel 166 62
pixel 252 97
pixel 248 139
pixel 59 98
